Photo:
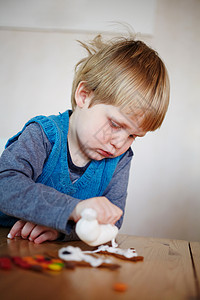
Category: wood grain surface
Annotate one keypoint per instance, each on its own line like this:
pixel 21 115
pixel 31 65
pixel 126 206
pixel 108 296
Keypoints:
pixel 166 273
pixel 195 253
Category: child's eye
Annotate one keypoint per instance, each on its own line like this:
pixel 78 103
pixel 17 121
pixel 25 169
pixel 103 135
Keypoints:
pixel 114 125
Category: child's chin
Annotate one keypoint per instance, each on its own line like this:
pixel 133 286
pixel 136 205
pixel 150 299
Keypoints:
pixel 96 156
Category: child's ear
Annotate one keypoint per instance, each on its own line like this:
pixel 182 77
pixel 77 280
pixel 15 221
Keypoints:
pixel 81 94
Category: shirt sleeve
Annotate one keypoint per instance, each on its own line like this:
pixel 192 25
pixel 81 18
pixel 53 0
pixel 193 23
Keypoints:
pixel 20 196
pixel 116 191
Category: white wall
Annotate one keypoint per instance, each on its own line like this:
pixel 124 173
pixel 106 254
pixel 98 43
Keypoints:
pixel 35 78
pixel 164 193
pixel 78 15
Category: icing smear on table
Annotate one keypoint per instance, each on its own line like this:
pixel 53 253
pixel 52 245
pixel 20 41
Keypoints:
pixel 71 253
pixel 128 253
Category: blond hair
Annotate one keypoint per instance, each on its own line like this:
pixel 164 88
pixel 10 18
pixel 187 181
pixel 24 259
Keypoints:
pixel 127 73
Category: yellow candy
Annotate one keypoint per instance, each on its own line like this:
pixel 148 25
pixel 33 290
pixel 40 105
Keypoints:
pixel 55 267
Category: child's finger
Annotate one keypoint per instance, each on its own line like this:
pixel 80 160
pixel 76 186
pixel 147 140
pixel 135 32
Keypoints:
pixel 46 236
pixel 116 215
pixel 108 213
pixel 27 229
pixel 37 231
pixel 16 229
pixel 41 233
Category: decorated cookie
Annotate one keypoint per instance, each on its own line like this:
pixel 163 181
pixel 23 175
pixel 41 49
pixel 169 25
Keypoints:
pixel 75 254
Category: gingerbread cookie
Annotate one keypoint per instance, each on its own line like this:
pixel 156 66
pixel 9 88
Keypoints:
pixel 75 254
pixel 77 257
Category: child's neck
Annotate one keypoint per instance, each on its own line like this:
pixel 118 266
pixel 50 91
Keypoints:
pixel 78 157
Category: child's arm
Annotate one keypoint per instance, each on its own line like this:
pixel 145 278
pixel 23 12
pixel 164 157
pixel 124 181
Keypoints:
pixel 20 196
pixel 107 212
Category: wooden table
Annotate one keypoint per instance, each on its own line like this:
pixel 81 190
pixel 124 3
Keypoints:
pixel 170 270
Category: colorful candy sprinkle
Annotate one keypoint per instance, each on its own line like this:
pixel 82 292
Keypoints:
pixel 36 263
pixel 55 267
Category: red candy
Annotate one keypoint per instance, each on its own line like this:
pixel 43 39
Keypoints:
pixel 5 263
pixel 21 263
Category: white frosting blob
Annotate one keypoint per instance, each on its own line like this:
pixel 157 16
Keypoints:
pixel 114 244
pixel 128 253
pixel 93 233
pixel 71 253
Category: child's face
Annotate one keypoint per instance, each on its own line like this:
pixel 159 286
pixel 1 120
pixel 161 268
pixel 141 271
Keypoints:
pixel 103 131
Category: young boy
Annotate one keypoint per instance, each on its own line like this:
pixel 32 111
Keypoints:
pixel 59 165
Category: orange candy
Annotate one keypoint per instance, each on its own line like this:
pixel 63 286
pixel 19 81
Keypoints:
pixel 120 287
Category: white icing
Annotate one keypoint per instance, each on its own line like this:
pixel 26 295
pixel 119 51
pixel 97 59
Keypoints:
pixel 114 244
pixel 128 253
pixel 93 233
pixel 76 254
pixel 71 253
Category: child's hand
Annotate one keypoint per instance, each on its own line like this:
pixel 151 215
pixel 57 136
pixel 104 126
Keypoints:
pixel 107 212
pixel 35 233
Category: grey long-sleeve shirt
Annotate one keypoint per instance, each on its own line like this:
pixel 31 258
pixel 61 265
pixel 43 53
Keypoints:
pixel 20 196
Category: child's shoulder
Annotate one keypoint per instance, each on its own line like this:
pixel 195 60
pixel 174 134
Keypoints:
pixel 128 154
pixel 125 159
pixel 32 134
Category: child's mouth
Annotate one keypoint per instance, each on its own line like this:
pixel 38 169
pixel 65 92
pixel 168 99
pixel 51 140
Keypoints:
pixel 105 153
